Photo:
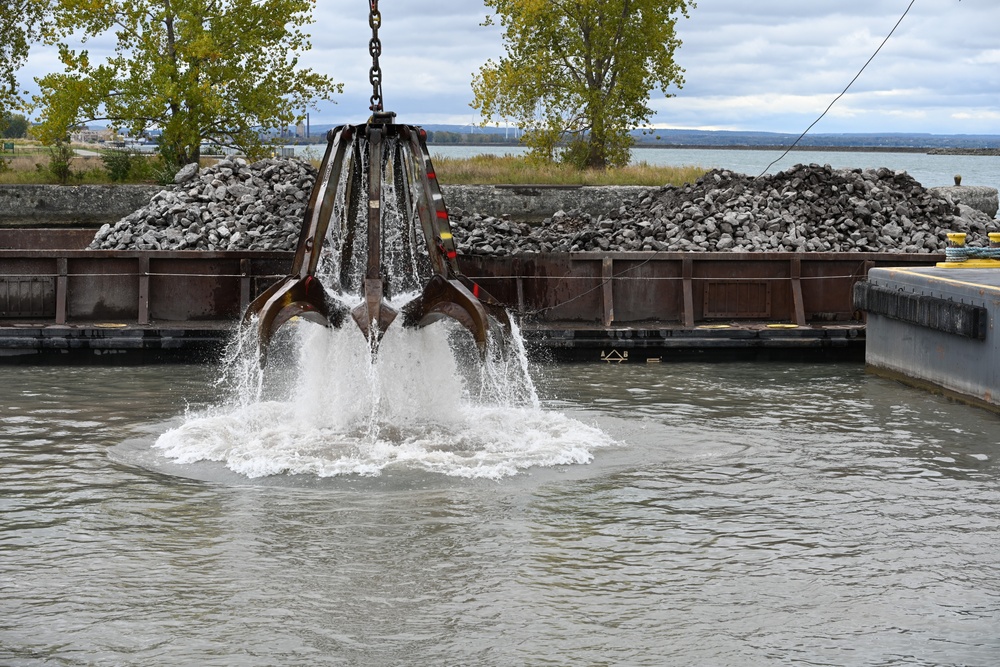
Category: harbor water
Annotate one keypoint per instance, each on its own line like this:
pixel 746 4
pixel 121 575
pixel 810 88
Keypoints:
pixel 633 514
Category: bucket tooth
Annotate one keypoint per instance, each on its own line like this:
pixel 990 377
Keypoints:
pixel 493 308
pixel 448 298
pixel 374 309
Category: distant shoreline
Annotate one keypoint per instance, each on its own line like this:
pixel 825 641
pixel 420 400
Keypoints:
pixel 925 150
pixel 815 149
pixel 993 152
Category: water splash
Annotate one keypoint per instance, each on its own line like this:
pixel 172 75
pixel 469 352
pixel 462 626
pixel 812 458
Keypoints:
pixel 325 405
pixel 425 403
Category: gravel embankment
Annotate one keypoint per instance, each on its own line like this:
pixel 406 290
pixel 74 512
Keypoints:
pixel 235 205
pixel 807 208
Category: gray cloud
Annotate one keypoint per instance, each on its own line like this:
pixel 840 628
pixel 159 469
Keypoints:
pixel 777 65
pixel 770 65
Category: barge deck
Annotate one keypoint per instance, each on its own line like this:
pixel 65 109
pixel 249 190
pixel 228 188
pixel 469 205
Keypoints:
pixel 935 328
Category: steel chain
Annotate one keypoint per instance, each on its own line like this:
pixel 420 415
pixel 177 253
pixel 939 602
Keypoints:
pixel 375 49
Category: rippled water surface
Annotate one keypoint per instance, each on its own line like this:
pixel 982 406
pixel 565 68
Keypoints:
pixel 737 514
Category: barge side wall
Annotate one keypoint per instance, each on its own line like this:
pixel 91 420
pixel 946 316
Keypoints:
pixel 599 289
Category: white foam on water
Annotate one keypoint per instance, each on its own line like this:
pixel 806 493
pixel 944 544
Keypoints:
pixel 427 403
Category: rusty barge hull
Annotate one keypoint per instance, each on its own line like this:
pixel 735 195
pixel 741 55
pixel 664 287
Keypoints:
pixel 645 306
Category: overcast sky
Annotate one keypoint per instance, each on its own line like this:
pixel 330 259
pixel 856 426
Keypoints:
pixel 764 65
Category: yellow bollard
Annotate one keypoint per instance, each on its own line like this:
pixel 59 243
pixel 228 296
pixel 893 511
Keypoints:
pixel 956 239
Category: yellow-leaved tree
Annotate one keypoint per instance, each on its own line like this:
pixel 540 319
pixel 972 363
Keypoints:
pixel 197 70
pixel 21 24
pixel 578 74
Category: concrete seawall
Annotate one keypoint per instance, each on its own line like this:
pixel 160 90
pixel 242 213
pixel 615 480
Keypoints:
pixel 94 205
pixel 70 206
pixel 933 327
pixel 979 197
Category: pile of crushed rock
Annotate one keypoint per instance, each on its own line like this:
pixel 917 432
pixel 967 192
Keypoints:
pixel 235 205
pixel 809 208
pixel 232 205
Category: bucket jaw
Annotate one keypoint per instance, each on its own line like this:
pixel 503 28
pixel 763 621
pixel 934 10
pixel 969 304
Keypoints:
pixel 376 206
pixel 448 298
pixel 288 298
pixel 451 298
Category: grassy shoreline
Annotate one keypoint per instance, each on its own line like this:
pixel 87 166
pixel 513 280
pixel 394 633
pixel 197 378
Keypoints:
pixel 29 166
pixel 516 170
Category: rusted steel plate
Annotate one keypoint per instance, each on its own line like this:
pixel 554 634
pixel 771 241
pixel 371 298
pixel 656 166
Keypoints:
pixel 654 287
pixel 102 288
pixel 646 290
pixel 33 296
pixel 549 288
pixel 136 286
pixel 193 289
pixel 729 299
pixel 45 239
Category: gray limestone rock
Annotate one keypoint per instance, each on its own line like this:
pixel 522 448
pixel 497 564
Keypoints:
pixel 186 173
pixel 808 208
pixel 213 207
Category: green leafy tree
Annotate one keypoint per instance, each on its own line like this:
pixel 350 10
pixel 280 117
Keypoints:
pixel 197 70
pixel 14 126
pixel 60 165
pixel 578 74
pixel 21 25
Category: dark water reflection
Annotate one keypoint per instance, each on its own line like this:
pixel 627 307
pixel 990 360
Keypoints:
pixel 754 515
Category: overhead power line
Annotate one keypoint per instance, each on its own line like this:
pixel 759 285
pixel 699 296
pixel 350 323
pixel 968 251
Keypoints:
pixel 842 93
